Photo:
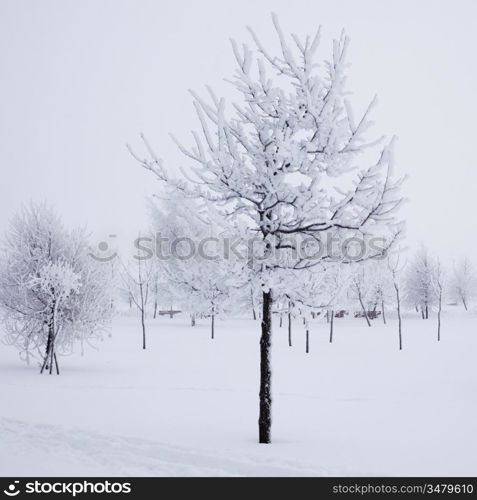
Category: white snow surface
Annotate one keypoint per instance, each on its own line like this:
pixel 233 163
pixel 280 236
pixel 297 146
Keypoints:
pixel 188 405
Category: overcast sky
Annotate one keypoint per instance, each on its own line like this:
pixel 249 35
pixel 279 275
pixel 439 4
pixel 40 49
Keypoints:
pixel 80 79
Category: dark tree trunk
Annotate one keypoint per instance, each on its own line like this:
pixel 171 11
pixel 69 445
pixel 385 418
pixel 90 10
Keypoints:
pixel 143 324
pixel 265 416
pixel 289 326
pixel 363 308
pixel 171 314
pixel 52 349
pixel 281 320
pixel 382 310
pixel 307 348
pixel 422 313
pixel 50 356
pixel 254 312
pixel 47 351
pixel 331 325
pixel 427 311
pixel 52 352
pixel 192 320
pixel 439 317
pixel 464 302
pixel 212 326
pixel 56 364
pixel 398 300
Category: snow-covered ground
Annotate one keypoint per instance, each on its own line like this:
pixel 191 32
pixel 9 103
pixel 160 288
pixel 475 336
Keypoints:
pixel 188 405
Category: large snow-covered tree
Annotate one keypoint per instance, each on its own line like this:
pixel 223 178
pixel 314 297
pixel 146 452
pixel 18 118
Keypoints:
pixel 53 294
pixel 288 159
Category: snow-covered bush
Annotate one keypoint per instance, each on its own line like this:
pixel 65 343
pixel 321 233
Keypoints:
pixel 53 294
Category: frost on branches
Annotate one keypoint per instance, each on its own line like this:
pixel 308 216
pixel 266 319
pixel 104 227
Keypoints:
pixel 202 279
pixel 288 158
pixel 52 293
pixel 419 289
pixel 463 282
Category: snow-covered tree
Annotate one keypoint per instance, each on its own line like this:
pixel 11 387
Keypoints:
pixel 289 162
pixel 395 269
pixel 380 287
pixel 463 282
pixel 438 283
pixel 193 263
pixel 363 291
pixel 53 294
pixel 137 277
pixel 335 281
pixel 419 290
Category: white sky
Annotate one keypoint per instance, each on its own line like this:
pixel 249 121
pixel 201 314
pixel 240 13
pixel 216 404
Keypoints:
pixel 80 79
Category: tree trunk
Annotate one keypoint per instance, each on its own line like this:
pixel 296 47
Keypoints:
pixel 439 317
pixel 364 309
pixel 52 355
pixel 52 343
pixel 331 325
pixel 212 326
pixel 422 312
pixel 143 328
pixel 464 302
pixel 265 416
pixel 192 320
pixel 281 320
pixel 155 309
pixel 398 300
pixel 254 312
pixel 143 305
pixel 382 311
pixel 47 351
pixel 327 316
pixel 171 315
pixel 427 311
pixel 289 326
pixel 307 349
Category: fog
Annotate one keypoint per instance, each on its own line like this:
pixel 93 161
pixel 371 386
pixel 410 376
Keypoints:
pixel 80 79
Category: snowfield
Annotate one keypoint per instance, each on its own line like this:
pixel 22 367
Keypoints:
pixel 188 405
